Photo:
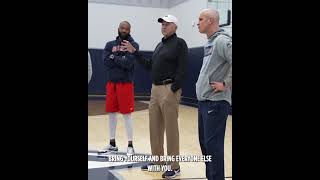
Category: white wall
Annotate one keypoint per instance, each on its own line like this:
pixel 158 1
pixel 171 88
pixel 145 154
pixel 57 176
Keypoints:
pixel 188 14
pixel 104 19
pixel 222 6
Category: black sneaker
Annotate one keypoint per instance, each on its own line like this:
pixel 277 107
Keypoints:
pixel 171 174
pixel 145 167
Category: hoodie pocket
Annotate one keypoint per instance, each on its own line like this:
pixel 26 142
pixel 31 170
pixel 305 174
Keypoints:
pixel 203 88
pixel 209 91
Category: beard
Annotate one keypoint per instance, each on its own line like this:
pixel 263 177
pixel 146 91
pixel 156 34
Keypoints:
pixel 123 36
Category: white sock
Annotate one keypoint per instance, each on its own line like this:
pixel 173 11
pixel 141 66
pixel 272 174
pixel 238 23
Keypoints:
pixel 112 125
pixel 128 123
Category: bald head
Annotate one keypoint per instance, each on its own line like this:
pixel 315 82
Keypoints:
pixel 125 23
pixel 124 29
pixel 208 21
pixel 211 14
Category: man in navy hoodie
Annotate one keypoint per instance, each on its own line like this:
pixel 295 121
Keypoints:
pixel 119 64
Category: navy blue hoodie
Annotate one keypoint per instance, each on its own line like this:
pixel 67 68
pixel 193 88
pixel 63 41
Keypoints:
pixel 121 68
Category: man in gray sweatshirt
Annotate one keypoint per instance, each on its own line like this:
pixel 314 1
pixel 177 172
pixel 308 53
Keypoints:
pixel 213 90
pixel 89 68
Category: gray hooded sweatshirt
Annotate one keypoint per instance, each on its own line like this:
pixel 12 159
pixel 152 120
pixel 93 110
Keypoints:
pixel 217 66
pixel 89 68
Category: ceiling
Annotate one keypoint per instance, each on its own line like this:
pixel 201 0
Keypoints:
pixel 142 3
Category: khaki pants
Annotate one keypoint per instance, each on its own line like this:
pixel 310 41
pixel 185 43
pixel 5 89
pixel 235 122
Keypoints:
pixel 163 115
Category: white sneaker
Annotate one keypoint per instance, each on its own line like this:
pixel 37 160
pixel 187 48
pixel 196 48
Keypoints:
pixel 108 148
pixel 130 151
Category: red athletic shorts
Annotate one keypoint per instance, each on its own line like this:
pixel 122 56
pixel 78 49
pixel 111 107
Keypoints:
pixel 120 97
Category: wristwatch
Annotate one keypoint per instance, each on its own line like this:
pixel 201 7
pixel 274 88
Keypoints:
pixel 111 56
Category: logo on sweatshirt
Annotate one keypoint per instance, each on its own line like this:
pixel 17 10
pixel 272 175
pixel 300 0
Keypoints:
pixel 229 44
pixel 208 50
pixel 118 48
